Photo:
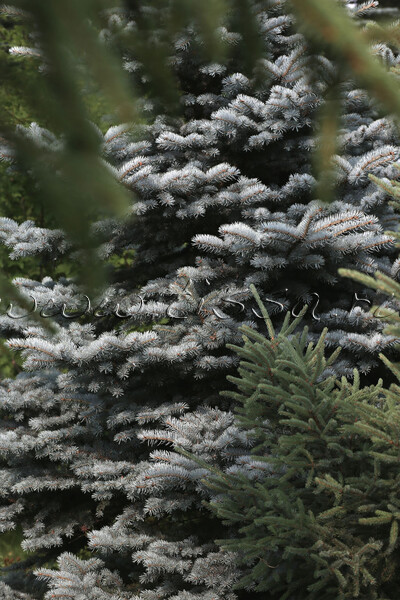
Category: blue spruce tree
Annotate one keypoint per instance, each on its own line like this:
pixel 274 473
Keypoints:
pixel 222 198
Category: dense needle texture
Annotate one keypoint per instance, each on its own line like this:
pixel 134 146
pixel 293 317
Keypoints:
pixel 317 508
pixel 222 198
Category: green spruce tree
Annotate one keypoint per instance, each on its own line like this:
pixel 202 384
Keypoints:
pixel 316 504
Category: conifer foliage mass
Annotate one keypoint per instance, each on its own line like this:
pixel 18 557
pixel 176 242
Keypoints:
pixel 318 516
pixel 222 197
